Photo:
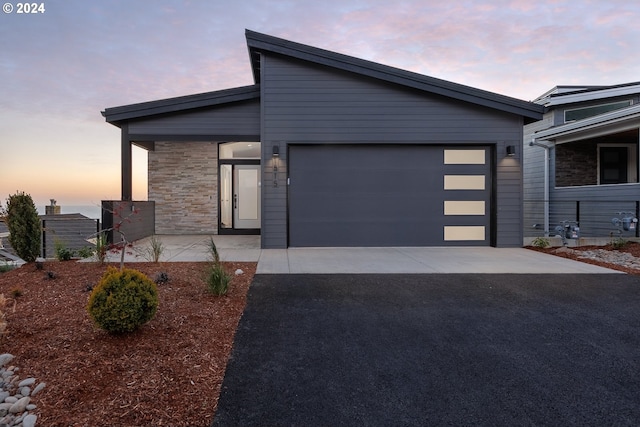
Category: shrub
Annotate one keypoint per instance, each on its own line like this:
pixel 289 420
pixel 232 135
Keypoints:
pixel 619 243
pixel 24 226
pixel 155 249
pixel 217 278
pixel 123 300
pixel 62 252
pixel 85 252
pixel 540 242
pixel 5 267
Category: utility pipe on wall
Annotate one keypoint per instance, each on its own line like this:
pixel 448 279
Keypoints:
pixel 546 183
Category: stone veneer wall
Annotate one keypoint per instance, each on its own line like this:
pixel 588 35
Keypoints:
pixel 183 183
pixel 576 164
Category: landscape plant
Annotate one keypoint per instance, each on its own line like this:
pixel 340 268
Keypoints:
pixel 217 278
pixel 540 242
pixel 25 230
pixel 102 247
pixel 85 252
pixel 619 243
pixel 3 320
pixel 154 251
pixel 123 300
pixel 63 253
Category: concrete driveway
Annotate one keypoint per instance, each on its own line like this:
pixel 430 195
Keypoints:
pixel 436 349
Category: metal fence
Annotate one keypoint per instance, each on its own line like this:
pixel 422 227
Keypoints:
pixel 595 218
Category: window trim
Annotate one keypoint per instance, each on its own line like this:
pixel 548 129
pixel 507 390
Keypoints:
pixel 632 162
pixel 627 102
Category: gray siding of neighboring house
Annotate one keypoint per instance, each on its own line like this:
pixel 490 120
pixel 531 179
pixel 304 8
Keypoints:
pixel 598 205
pixel 302 104
pixel 533 172
pixel 235 121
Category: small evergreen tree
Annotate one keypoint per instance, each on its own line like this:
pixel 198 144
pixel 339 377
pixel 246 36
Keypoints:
pixel 24 226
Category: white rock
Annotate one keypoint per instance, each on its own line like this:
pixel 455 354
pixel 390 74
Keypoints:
pixel 239 272
pixel 10 399
pixel 20 405
pixel 29 420
pixel 27 382
pixel 38 389
pixel 25 391
pixel 5 358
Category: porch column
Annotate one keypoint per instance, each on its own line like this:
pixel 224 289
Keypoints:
pixel 126 165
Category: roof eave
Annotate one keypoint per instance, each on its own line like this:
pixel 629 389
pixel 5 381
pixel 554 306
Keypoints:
pixel 117 115
pixel 606 119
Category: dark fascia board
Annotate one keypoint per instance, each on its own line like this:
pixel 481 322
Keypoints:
pixel 116 115
pixel 258 42
pixel 587 89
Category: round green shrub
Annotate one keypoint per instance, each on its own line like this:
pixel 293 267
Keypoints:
pixel 123 300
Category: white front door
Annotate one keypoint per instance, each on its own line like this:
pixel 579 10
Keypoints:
pixel 246 196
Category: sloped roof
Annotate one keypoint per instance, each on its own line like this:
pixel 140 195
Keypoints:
pixel 258 42
pixel 561 95
pixel 181 103
pixel 629 117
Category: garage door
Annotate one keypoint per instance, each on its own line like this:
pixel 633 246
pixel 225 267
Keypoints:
pixel 389 195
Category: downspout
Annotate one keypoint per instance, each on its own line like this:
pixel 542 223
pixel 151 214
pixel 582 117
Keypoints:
pixel 546 183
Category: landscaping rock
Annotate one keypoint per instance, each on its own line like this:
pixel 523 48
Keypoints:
pixel 5 359
pixel 20 405
pixel 29 420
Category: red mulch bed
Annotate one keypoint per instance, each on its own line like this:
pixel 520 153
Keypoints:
pixel 630 247
pixel 167 373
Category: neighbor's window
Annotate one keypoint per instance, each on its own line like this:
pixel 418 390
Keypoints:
pixel 583 113
pixel 609 159
pixel 615 163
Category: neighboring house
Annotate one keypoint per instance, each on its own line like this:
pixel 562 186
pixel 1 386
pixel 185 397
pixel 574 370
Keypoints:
pixel 581 160
pixel 331 150
pixel 71 231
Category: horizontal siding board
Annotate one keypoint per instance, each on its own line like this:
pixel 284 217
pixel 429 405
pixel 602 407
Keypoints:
pixel 311 104
pixel 240 119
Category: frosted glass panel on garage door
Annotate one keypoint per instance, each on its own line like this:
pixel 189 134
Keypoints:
pixel 464 157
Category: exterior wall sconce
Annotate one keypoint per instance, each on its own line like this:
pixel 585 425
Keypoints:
pixel 276 151
pixel 511 150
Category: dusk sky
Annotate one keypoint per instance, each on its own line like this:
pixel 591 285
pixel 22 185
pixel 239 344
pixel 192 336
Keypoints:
pixel 61 67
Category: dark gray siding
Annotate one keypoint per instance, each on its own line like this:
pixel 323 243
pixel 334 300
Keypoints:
pixel 134 220
pixel 241 119
pixel 70 231
pixel 313 104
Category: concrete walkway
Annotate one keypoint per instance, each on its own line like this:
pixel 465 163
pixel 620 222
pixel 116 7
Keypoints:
pixel 415 260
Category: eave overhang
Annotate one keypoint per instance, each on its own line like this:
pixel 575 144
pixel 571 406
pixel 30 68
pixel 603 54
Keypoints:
pixel 259 43
pixel 117 115
pixel 614 121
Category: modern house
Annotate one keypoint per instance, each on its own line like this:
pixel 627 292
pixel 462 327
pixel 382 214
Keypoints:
pixel 581 160
pixel 330 150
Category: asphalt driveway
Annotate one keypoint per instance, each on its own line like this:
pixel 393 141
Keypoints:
pixel 437 349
